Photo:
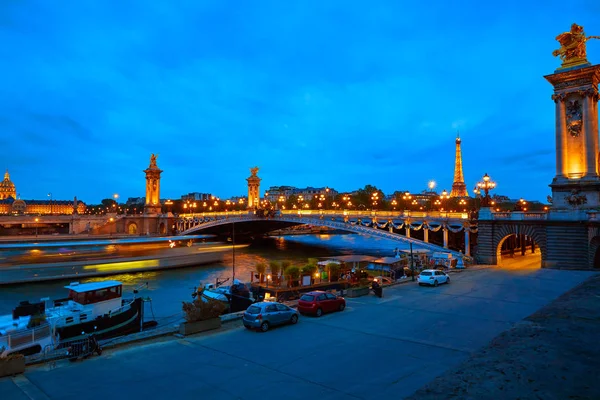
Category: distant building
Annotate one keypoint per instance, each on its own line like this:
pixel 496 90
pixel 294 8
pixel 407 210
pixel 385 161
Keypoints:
pixel 135 201
pixel 9 204
pixel 274 192
pixel 7 188
pixel 195 196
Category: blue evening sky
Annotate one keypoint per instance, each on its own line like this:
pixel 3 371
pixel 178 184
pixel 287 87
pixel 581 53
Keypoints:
pixel 315 93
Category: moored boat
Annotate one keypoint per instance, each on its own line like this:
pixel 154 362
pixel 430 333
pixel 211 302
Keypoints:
pixel 237 297
pixel 91 308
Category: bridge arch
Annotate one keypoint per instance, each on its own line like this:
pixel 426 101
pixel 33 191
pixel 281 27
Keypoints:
pixel 132 228
pixel 594 252
pixel 520 232
pixel 371 228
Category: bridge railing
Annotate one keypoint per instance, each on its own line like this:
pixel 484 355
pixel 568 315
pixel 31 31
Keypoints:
pixel 520 215
pixel 345 213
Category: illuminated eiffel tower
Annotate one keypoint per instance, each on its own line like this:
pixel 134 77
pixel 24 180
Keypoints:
pixel 459 189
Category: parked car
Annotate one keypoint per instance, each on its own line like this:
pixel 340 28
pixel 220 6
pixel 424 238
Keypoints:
pixel 266 314
pixel 319 302
pixel 432 277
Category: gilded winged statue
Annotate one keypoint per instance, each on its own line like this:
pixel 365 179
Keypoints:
pixel 572 45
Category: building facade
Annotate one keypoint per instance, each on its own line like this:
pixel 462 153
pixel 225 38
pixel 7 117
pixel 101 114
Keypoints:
pixel 9 204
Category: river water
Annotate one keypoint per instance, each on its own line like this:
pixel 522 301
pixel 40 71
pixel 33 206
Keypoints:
pixel 169 288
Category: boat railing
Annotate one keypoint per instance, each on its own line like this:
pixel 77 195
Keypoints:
pixel 24 336
pixel 124 307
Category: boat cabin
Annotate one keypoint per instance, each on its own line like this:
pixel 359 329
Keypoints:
pixel 92 299
pixel 94 292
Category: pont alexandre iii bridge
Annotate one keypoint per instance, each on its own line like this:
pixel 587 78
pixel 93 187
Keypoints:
pixel 556 237
pixel 451 232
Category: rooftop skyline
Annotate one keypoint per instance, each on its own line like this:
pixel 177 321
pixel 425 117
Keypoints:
pixel 315 94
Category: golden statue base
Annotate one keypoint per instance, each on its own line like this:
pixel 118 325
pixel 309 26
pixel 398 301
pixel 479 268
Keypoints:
pixel 575 62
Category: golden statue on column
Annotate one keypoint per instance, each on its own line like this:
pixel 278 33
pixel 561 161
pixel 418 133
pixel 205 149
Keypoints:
pixel 572 47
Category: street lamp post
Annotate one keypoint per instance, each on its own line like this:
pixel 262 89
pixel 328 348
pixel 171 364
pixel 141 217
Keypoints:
pixel 168 203
pixel 50 195
pixel 375 199
pixel 486 185
pixel 36 227
pixel 444 196
pixel 116 197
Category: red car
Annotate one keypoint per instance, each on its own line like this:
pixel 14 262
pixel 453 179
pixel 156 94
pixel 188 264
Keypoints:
pixel 319 302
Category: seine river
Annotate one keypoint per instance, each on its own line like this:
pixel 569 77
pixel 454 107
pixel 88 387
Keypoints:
pixel 169 288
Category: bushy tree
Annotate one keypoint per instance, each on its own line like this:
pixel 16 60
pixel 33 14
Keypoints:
pixel 202 309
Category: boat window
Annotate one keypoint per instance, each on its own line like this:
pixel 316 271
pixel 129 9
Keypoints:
pixel 68 320
pixel 83 317
pixel 103 294
pixel 77 297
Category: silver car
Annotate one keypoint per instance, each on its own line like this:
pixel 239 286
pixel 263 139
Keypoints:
pixel 266 314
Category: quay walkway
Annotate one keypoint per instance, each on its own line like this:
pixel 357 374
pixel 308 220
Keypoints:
pixel 417 333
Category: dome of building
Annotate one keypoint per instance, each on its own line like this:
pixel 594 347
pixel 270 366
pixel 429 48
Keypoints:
pixel 7 188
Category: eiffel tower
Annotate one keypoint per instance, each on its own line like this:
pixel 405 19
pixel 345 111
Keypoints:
pixel 459 189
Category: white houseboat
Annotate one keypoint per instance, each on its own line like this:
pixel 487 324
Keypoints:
pixel 96 307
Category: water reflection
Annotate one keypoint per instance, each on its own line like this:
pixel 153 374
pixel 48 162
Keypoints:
pixel 169 288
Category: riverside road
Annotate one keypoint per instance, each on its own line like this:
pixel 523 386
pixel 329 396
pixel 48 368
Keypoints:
pixel 376 349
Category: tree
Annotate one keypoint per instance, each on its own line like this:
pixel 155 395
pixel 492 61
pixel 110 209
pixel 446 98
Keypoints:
pixel 363 196
pixel 275 268
pixel 261 268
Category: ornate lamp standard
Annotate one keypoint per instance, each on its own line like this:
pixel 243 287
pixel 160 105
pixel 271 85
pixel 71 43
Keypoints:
pixel 116 205
pixel 375 200
pixel 36 226
pixel 444 196
pixel 486 185
pixel 168 203
pixel 50 195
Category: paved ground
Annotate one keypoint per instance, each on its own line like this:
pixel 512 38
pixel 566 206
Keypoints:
pixel 377 349
pixel 553 354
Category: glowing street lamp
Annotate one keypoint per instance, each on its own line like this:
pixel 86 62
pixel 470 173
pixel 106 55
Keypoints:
pixel 36 226
pixel 168 203
pixel 486 185
pixel 375 199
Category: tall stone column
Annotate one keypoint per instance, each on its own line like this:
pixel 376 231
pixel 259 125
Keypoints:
pixel 561 138
pixel 577 180
pixel 467 243
pixel 591 137
pixel 445 231
pixel 425 235
pixel 152 205
pixel 253 189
